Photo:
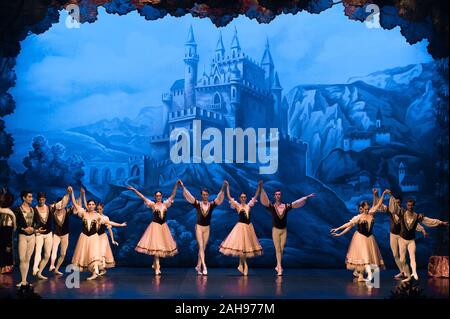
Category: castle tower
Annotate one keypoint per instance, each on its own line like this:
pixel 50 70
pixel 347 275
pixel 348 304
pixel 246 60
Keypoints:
pixel 235 46
pixel 378 121
pixel 220 49
pixel 280 114
pixel 267 65
pixel 401 172
pixel 190 69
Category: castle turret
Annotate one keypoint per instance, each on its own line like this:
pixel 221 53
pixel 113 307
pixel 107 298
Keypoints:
pixel 190 69
pixel 280 117
pixel 220 49
pixel 378 122
pixel 267 65
pixel 235 94
pixel 235 46
pixel 401 172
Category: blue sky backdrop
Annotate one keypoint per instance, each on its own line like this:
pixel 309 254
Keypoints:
pixel 119 64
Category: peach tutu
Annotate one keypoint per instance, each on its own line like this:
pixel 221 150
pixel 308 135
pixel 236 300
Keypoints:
pixel 87 252
pixel 363 251
pixel 241 241
pixel 158 241
pixel 105 251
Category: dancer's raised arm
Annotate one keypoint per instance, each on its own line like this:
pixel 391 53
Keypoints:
pixel 301 201
pixel 186 194
pixel 234 204
pixel 376 206
pixel 383 208
pixel 254 198
pixel 147 201
pixel 264 198
pixel 83 196
pixel 220 196
pixel 169 201
pixel 347 226
pixel 63 202
pixel 78 208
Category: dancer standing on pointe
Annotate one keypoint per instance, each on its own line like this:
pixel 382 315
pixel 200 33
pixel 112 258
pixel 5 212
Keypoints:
pixel 87 255
pixel 202 227
pixel 279 212
pixel 7 227
pixel 363 251
pixel 394 232
pixel 61 231
pixel 242 240
pixel 157 239
pixel 409 220
pixel 44 239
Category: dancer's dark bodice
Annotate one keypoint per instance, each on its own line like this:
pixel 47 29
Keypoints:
pixel 243 216
pixel 395 227
pixel 22 221
pixel 101 229
pixel 61 226
pixel 89 231
pixel 279 220
pixel 46 225
pixel 157 217
pixel 365 227
pixel 204 217
pixel 409 232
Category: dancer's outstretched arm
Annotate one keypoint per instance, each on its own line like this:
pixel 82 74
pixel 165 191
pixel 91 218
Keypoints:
pixel 347 226
pixel 169 201
pixel 335 234
pixel 394 208
pixel 433 222
pixel 383 207
pixel 220 196
pixel 78 208
pixel 186 194
pixel 378 204
pixel 301 201
pixel 264 198
pixel 147 201
pixel 233 203
pixel 83 194
pixel 254 198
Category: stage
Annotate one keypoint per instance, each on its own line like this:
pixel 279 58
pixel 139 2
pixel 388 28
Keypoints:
pixel 222 283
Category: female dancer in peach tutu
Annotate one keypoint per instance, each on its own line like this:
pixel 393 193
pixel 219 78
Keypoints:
pixel 242 240
pixel 157 239
pixel 363 251
pixel 87 255
pixel 105 249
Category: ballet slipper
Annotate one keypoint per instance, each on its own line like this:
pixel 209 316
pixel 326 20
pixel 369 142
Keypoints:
pixel 245 270
pixel 415 276
pixel 20 284
pixel 102 272
pixel 35 272
pixel 52 268
pixel 41 277
pixel 57 272
pixel 280 272
pixel 399 276
pixel 205 271
pixel 92 277
pixel 408 279
pixel 355 273
pixel 240 268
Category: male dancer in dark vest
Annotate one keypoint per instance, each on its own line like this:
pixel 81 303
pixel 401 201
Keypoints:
pixel 279 212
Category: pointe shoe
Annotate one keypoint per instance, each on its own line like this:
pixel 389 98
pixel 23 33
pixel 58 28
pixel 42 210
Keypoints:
pixel 355 273
pixel 157 272
pixel 57 272
pixel 20 284
pixel 408 279
pixel 240 268
pixel 41 277
pixel 51 269
pixel 35 272
pixel 245 270
pixel 415 276
pixel 102 272
pixel 92 277
pixel 280 272
pixel 399 276
pixel 198 269
pixel 205 272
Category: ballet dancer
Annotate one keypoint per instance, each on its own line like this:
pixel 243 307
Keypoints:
pixel 242 240
pixel 87 255
pixel 7 228
pixel 44 239
pixel 363 251
pixel 279 212
pixel 157 239
pixel 394 233
pixel 202 227
pixel 27 229
pixel 61 230
pixel 409 220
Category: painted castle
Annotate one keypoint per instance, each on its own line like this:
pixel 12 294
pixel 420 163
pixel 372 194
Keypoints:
pixel 236 91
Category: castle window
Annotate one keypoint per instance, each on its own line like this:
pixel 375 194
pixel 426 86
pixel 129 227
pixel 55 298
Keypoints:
pixel 233 92
pixel 216 80
pixel 189 69
pixel 216 101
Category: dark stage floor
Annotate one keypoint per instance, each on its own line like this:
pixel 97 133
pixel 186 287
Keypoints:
pixel 140 283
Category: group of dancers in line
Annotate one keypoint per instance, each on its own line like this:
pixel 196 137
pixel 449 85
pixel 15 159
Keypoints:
pixel 363 252
pixel 45 227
